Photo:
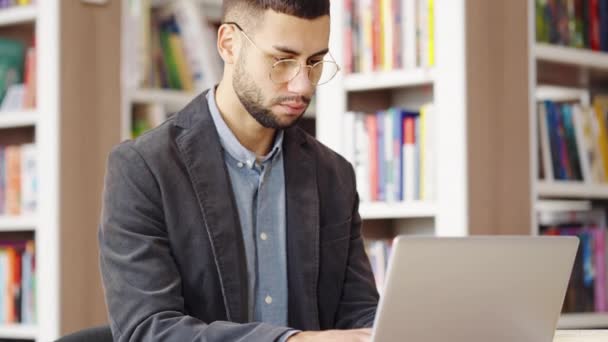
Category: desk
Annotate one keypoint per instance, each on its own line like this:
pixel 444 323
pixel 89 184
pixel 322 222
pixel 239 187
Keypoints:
pixel 581 336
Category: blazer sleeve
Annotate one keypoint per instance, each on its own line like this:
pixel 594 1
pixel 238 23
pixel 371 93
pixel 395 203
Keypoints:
pixel 141 281
pixel 357 308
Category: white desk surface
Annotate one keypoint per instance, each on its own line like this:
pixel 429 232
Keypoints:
pixel 581 336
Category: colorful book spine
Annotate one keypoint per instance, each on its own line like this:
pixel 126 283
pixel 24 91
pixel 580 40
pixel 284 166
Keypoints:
pixel 372 129
pixel 388 35
pixel 2 180
pixel 13 180
pixel 601 302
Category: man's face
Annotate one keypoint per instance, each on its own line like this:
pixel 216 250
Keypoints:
pixel 279 36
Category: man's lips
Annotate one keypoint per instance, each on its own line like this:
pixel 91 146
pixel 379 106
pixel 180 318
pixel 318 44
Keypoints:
pixel 293 107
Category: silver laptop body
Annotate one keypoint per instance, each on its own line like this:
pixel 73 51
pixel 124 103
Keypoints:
pixel 486 289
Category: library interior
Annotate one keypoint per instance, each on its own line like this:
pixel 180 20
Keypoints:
pixel 458 119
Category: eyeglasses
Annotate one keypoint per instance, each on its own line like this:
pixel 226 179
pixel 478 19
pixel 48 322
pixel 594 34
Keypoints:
pixel 285 70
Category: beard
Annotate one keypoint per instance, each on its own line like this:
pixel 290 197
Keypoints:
pixel 252 99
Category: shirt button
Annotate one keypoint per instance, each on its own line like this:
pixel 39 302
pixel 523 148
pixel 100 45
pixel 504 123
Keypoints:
pixel 263 236
pixel 240 165
pixel 268 300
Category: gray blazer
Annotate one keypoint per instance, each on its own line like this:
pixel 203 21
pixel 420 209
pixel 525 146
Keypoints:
pixel 171 249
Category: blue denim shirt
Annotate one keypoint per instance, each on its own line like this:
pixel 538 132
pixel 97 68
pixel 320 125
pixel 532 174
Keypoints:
pixel 259 190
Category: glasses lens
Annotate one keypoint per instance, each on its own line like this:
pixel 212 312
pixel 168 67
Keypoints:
pixel 284 71
pixel 323 72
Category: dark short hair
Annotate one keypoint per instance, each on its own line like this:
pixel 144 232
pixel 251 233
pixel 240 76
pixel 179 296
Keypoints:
pixel 305 9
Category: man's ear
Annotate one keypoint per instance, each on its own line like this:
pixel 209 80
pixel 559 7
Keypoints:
pixel 227 43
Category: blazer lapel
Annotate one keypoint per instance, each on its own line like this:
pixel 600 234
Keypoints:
pixel 202 154
pixel 302 203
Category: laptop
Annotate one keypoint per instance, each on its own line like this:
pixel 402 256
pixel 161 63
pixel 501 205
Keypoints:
pixel 499 289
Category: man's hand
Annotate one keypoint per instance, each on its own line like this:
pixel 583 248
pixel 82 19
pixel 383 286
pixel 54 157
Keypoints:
pixel 356 335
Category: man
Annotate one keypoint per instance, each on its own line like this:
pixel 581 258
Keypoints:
pixel 227 222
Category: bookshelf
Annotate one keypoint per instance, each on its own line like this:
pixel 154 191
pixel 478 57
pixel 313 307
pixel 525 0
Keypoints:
pixel 170 100
pixel 73 128
pixel 563 73
pixel 23 23
pixel 464 135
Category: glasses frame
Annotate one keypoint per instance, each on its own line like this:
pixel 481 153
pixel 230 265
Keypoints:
pixel 300 65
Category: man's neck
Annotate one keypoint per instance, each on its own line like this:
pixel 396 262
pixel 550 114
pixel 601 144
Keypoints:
pixel 253 136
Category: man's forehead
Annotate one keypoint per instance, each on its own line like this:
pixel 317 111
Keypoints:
pixel 301 35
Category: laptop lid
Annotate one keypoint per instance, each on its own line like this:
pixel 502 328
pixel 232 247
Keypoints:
pixel 498 289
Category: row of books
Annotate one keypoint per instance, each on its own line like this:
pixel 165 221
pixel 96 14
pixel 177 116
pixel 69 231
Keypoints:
pixel 17 282
pixel 388 34
pixel 575 23
pixel 17 75
pixel 587 290
pixel 18 180
pixel 11 3
pixel 174 49
pixel 573 141
pixel 379 252
pixel 392 153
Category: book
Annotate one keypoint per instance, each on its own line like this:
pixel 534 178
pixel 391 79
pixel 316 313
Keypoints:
pixel 30 76
pixel 29 179
pixel 3 180
pixel 13 180
pixel 12 53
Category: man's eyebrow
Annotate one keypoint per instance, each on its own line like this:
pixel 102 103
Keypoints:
pixel 294 52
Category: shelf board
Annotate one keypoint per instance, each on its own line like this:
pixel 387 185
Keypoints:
pixel 572 189
pixel 389 79
pixel 559 93
pixel 17 223
pixel 564 205
pixel 18 119
pixel 17 15
pixel 573 56
pixel 398 210
pixel 212 9
pixel 583 321
pixel 18 331
pixel 580 335
pixel 162 96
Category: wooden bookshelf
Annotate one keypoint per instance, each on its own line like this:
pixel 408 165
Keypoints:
pixel 18 127
pixel 463 87
pixel 132 94
pixel 562 73
pixel 18 119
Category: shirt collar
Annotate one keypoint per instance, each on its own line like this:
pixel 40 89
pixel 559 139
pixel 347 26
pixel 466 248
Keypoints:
pixel 229 141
